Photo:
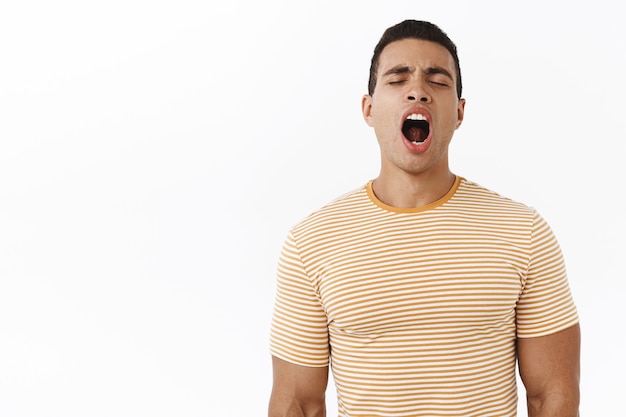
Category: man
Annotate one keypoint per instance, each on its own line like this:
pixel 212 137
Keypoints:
pixel 422 288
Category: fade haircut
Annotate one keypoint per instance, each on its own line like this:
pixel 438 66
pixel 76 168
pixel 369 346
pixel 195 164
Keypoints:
pixel 413 29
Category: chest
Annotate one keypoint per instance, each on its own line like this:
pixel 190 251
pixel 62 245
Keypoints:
pixel 417 277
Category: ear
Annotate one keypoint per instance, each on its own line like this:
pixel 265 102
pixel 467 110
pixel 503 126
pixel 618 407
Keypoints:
pixel 366 109
pixel 460 112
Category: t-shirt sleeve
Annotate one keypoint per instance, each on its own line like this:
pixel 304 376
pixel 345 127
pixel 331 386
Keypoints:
pixel 299 331
pixel 546 305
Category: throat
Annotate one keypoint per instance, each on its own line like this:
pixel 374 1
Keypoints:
pixel 413 193
pixel 416 131
pixel 415 134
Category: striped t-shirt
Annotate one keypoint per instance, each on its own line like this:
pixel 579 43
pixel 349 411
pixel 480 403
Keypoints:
pixel 419 309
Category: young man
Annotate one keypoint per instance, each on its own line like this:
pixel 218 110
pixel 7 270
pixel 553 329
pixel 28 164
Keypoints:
pixel 421 287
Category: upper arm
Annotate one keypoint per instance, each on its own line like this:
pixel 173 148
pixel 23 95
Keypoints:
pixel 550 370
pixel 298 390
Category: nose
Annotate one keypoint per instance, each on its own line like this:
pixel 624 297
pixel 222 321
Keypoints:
pixel 422 98
pixel 418 93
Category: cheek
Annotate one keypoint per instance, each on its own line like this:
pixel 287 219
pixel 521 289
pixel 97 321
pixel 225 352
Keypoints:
pixel 386 131
pixel 381 120
pixel 450 121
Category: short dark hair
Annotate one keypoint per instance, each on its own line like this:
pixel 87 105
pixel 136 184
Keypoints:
pixel 414 29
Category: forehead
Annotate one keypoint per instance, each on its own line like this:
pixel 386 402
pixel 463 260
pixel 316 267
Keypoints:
pixel 417 53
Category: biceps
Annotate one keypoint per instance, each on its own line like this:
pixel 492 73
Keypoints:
pixel 301 386
pixel 550 363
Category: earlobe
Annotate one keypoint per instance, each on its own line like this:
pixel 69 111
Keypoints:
pixel 366 108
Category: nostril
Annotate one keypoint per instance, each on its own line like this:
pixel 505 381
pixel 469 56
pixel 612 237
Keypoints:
pixel 423 99
pixel 412 98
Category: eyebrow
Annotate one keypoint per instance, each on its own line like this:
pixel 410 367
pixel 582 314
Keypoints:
pixel 399 69
pixel 403 69
pixel 438 70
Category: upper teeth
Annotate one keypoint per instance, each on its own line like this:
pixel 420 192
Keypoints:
pixel 416 116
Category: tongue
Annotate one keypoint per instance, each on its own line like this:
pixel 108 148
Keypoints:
pixel 415 134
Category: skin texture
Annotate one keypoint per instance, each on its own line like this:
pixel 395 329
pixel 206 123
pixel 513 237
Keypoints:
pixel 298 391
pixel 417 75
pixel 550 370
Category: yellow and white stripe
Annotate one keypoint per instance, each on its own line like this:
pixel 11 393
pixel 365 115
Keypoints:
pixel 419 309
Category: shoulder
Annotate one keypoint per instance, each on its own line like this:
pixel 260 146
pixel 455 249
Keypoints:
pixel 339 209
pixel 472 194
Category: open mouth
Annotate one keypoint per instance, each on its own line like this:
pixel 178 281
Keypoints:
pixel 416 128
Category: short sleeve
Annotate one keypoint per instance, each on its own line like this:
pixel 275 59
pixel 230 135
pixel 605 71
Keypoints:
pixel 299 331
pixel 546 305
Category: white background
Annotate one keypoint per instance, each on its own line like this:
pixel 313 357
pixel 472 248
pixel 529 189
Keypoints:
pixel 154 154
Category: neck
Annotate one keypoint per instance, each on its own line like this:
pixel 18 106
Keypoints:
pixel 412 191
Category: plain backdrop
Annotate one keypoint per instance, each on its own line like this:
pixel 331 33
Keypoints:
pixel 154 154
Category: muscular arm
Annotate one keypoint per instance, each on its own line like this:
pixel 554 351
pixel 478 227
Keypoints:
pixel 550 370
pixel 298 391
